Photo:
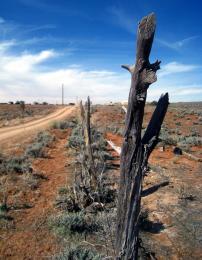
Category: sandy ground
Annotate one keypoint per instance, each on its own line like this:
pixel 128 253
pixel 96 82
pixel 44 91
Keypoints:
pixel 15 133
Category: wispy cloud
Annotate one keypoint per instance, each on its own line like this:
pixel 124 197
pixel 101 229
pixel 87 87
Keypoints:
pixel 6 45
pixel 11 29
pixel 122 19
pixel 54 7
pixel 176 67
pixel 178 44
pixel 2 20
pixel 33 28
pixel 188 92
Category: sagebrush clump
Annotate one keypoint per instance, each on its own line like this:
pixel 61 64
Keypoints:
pixel 78 253
pixel 36 149
pixel 63 124
pixel 70 224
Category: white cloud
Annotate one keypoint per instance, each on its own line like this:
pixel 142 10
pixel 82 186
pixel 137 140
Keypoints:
pixel 6 45
pixel 25 62
pixel 175 67
pixel 21 77
pixel 191 92
pixel 178 44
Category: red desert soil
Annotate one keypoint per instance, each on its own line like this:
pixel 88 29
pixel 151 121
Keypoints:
pixel 165 204
pixel 30 238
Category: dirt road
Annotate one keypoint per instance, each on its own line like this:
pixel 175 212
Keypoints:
pixel 8 134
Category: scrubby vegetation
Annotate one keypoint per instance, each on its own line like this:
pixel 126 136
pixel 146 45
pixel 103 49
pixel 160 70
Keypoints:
pixel 91 179
pixel 11 114
pixel 70 224
pixel 84 217
pixel 78 253
pixel 13 165
pixel 21 166
pixel 63 124
pixel 36 149
pixel 174 137
pixel 86 205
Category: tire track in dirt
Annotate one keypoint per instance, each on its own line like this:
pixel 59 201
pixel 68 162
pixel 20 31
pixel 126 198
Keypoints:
pixel 15 133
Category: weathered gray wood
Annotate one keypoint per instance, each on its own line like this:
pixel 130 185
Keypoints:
pixel 134 153
pixel 85 115
pixel 151 136
pixel 88 142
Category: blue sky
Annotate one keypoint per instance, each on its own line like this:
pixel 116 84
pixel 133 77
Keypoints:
pixel 44 43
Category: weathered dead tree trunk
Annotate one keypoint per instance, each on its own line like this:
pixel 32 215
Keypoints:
pixel 136 151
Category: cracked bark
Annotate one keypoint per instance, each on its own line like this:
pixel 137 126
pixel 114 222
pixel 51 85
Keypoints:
pixel 135 153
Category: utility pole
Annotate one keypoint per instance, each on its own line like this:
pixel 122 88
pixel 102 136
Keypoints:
pixel 62 94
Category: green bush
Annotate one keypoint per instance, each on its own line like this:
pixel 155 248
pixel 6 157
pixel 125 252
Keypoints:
pixel 17 165
pixel 107 195
pixel 76 138
pixel 36 150
pixel 78 253
pixel 45 138
pixel 68 224
pixel 191 140
pixel 63 124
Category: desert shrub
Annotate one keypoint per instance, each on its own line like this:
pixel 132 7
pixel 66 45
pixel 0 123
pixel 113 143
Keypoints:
pixel 190 140
pixel 107 195
pixel 76 138
pixel 166 137
pixel 66 200
pixel 36 150
pixel 63 124
pixel 63 190
pixel 45 138
pixel 17 165
pixel 68 224
pixel 100 192
pixel 115 130
pixel 32 180
pixel 2 164
pixel 77 253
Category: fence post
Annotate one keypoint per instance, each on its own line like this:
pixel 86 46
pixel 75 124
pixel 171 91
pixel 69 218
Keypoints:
pixel 135 153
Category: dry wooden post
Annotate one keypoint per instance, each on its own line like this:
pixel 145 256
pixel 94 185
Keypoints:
pixel 22 107
pixel 82 116
pixel 89 141
pixel 86 131
pixel 135 153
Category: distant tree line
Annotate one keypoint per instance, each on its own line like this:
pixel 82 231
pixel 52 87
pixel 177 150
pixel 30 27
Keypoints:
pixel 20 102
